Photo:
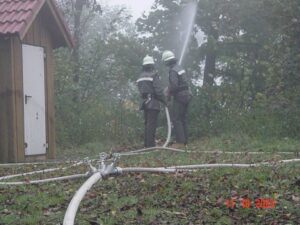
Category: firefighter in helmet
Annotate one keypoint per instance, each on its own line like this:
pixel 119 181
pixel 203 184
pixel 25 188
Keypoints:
pixel 152 97
pixel 178 88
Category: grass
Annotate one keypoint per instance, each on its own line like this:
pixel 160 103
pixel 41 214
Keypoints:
pixel 194 198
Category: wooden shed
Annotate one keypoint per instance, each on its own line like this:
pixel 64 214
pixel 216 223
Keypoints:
pixel 29 31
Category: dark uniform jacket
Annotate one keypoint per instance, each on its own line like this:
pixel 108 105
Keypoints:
pixel 151 91
pixel 178 84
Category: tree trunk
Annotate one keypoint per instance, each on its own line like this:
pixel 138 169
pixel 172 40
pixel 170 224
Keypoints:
pixel 209 69
pixel 77 39
pixel 210 59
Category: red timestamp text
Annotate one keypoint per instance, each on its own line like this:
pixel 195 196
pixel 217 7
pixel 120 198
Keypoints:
pixel 260 203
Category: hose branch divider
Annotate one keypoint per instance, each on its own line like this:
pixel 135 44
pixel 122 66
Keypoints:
pixel 106 168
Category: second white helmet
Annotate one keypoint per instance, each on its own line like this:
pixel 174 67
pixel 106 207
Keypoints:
pixel 167 55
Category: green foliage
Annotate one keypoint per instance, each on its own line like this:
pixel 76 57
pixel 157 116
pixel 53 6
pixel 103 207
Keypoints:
pixel 100 106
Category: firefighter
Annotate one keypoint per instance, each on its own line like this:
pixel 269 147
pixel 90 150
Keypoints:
pixel 179 90
pixel 152 97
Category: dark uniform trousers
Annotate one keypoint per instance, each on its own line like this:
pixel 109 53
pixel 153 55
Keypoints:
pixel 179 114
pixel 150 116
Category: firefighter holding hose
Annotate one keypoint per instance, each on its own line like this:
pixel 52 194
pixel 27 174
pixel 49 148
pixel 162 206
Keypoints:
pixel 152 97
pixel 179 90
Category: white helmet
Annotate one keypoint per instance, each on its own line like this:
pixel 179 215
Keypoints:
pixel 167 55
pixel 148 60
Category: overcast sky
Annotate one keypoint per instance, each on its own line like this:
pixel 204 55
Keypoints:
pixel 137 6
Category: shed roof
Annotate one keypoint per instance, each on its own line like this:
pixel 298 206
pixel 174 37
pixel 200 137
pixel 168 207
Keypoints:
pixel 16 17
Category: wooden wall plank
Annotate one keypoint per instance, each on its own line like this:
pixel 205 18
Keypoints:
pixel 8 121
pixel 5 73
pixel 49 79
pixel 37 32
pixel 18 99
pixel 29 36
pixel 13 135
pixel 50 102
pixel 46 42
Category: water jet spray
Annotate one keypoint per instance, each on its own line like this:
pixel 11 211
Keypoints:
pixel 189 13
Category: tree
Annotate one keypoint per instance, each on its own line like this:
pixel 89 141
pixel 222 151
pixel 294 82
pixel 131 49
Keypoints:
pixel 110 56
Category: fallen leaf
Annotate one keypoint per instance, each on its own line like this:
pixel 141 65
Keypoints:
pixel 295 198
